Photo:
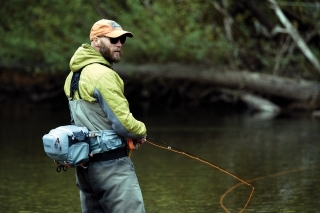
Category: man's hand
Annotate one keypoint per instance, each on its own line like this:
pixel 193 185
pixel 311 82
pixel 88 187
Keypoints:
pixel 140 142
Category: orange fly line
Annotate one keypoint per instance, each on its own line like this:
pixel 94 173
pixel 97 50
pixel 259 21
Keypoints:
pixel 176 150
pixel 260 178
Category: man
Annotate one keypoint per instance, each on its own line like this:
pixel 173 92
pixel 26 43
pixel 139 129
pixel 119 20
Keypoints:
pixel 109 183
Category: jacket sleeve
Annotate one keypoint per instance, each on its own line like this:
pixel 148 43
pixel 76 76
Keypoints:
pixel 109 92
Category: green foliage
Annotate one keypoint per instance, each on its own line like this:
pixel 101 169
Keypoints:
pixel 43 35
pixel 173 31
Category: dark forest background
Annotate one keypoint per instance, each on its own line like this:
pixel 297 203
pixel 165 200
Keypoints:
pixel 277 38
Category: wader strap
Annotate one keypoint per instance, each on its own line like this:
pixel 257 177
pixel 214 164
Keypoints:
pixel 74 86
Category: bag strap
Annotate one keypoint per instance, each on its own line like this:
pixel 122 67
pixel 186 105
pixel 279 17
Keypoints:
pixel 74 86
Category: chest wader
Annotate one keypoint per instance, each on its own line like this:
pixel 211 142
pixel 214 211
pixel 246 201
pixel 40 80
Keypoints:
pixel 104 144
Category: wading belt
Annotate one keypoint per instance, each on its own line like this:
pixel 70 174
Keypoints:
pixel 110 155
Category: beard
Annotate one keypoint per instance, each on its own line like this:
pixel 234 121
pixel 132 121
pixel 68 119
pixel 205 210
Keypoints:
pixel 107 54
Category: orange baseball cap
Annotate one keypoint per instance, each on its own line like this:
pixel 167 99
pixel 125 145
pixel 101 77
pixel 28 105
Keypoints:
pixel 107 28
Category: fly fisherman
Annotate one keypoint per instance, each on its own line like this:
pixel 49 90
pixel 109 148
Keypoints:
pixel 109 183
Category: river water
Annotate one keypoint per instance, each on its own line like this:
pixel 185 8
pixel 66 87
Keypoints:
pixel 279 157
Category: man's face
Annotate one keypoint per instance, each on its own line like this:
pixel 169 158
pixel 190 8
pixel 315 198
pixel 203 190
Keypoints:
pixel 111 52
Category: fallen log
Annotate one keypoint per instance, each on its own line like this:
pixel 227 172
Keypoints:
pixel 175 83
pixel 303 93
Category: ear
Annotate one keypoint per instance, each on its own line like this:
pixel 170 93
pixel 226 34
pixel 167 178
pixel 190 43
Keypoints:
pixel 97 42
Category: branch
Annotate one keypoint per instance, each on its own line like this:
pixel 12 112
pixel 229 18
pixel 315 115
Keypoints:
pixel 227 19
pixel 295 35
pixel 255 102
pixel 282 51
pixel 259 103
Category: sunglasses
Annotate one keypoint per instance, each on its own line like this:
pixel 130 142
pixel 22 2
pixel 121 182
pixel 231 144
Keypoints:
pixel 115 40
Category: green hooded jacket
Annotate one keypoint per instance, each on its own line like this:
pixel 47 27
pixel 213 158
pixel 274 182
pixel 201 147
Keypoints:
pixel 103 104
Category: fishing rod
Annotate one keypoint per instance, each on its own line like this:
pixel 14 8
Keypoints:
pixel 182 152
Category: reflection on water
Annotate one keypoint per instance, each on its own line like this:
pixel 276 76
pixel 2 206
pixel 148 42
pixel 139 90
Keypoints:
pixel 278 156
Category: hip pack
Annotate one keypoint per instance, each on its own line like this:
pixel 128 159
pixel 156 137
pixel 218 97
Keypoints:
pixel 67 146
pixel 71 146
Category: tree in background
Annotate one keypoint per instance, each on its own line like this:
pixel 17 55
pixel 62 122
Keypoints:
pixel 238 35
pixel 42 35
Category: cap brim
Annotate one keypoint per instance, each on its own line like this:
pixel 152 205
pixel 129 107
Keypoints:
pixel 117 33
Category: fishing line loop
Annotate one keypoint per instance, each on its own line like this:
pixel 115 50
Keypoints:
pixel 179 151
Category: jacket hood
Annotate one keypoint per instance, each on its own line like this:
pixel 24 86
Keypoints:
pixel 85 55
